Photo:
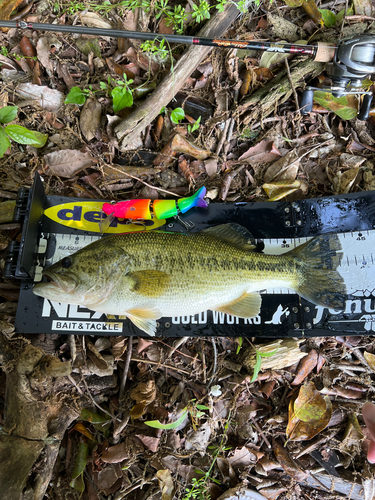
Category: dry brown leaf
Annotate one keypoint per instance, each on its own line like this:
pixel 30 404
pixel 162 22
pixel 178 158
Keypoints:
pixel 278 190
pixel 306 366
pixel 137 411
pixel 165 484
pixel 118 69
pixel 67 162
pixel 151 443
pixel 28 50
pixel 117 453
pixel 182 145
pixel 46 98
pixel 370 358
pixel 94 20
pixel 287 463
pixel 145 392
pixel 90 117
pixel 343 181
pixel 353 437
pixel 143 344
pixel 309 413
pixel 119 345
pixel 263 152
pixel 284 169
pixel 242 457
pixel 95 356
pixel 6 8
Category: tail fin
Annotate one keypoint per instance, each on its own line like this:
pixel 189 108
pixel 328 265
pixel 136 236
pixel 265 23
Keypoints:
pixel 197 200
pixel 317 262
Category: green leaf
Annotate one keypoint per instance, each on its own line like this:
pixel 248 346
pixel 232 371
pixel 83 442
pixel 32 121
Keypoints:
pixel 346 106
pixel 23 135
pixel 76 96
pixel 340 15
pixel 328 17
pixel 177 115
pixel 80 465
pixel 157 425
pixel 93 417
pixel 257 367
pixel 203 407
pixel 239 340
pixel 122 98
pixel 4 142
pixel 8 114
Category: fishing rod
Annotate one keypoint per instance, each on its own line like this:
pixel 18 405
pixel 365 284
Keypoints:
pixel 351 61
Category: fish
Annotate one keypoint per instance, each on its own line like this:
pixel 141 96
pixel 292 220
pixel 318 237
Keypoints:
pixel 149 275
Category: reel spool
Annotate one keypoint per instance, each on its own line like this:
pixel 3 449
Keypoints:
pixel 354 60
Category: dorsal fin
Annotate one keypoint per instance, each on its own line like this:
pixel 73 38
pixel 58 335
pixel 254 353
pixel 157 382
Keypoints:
pixel 235 234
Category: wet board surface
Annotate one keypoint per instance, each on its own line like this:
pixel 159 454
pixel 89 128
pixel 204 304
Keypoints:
pixel 278 227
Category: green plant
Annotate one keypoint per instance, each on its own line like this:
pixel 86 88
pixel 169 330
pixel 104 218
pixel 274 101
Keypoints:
pixel 177 115
pixel 199 488
pixel 239 340
pixel 4 51
pixel 195 411
pixel 151 47
pixel 77 95
pixel 201 11
pixel 195 126
pixel 162 9
pixel 71 8
pixel 122 94
pixel 177 18
pixel 17 133
pixel 221 5
pixel 242 5
pixel 135 4
pixel 119 90
pixel 258 363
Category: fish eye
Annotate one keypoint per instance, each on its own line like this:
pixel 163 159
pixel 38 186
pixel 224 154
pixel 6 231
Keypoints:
pixel 66 262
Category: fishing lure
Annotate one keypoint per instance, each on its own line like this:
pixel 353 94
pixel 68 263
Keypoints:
pixel 144 209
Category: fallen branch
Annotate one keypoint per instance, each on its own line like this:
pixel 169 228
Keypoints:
pixel 129 129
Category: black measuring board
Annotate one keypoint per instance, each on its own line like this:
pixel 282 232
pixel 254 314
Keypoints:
pixel 278 227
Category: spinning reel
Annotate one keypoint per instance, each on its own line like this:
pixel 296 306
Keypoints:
pixel 353 61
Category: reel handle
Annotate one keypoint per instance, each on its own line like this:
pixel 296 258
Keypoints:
pixel 306 104
pixel 364 111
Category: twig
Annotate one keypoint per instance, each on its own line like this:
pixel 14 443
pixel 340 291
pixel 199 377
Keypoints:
pixel 215 362
pixel 261 432
pixel 148 361
pixel 72 346
pixel 291 83
pixel 223 137
pixel 203 362
pixel 93 400
pixel 120 427
pixel 140 180
pixel 126 368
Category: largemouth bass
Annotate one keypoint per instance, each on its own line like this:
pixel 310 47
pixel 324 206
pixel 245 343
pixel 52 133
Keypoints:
pixel 148 275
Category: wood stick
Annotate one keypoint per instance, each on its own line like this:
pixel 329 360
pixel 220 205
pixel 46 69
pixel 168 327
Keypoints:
pixel 129 129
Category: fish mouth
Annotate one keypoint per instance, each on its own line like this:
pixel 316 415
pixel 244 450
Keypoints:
pixel 65 283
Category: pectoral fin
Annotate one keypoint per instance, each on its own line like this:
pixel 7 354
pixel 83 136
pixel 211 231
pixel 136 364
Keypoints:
pixel 150 283
pixel 144 319
pixel 246 306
